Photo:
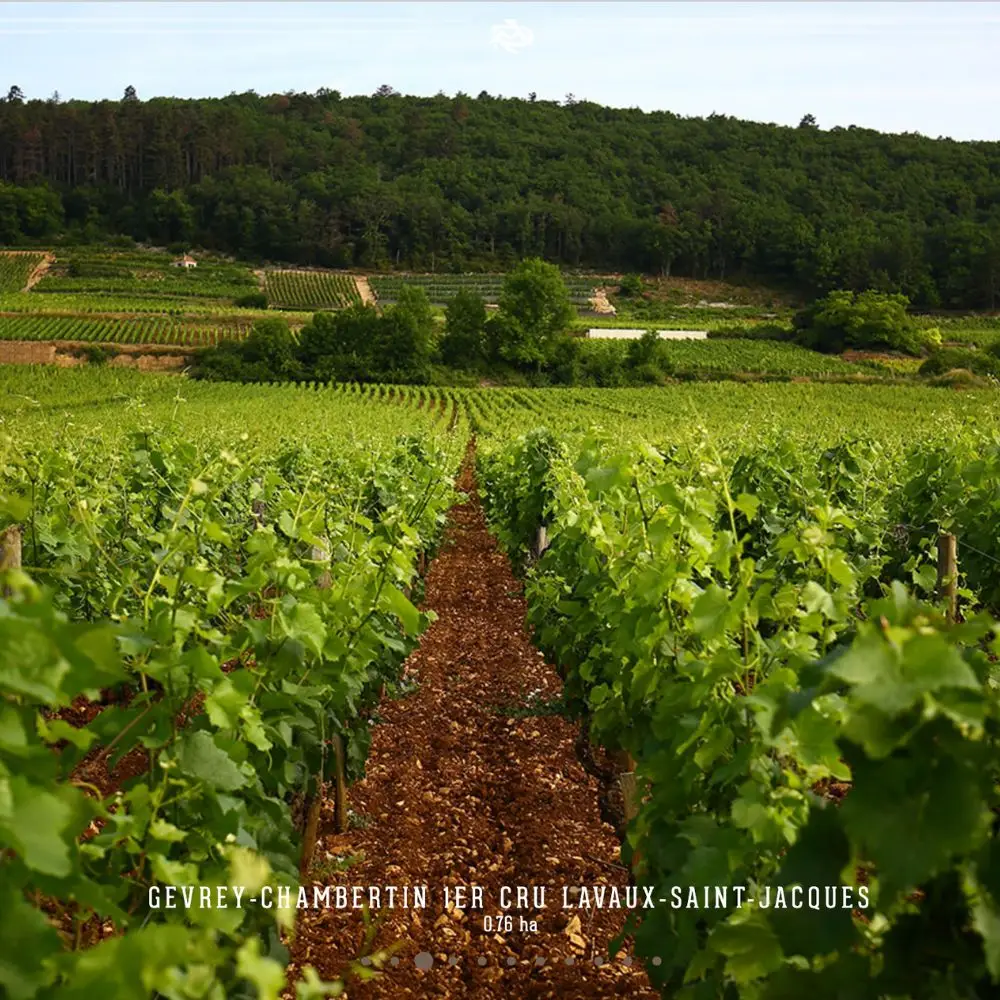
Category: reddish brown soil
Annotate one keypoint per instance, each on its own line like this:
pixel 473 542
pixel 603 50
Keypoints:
pixel 459 791
pixel 145 357
pixel 692 290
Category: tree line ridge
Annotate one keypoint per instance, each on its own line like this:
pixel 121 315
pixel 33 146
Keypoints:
pixel 468 183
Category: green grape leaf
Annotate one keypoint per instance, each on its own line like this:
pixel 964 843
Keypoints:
pixel 748 504
pixel 304 623
pixel 401 606
pixel 311 987
pixel 35 822
pixel 199 758
pixel 938 809
pixel 162 830
pixel 267 975
pixel 709 613
pixel 225 702
pixel 749 945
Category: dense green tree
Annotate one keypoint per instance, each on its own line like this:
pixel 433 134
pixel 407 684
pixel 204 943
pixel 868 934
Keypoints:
pixel 271 342
pixel 869 319
pixel 171 217
pixel 630 286
pixel 267 353
pixel 341 345
pixel 566 363
pixel 358 344
pixel 501 335
pixel 645 350
pixel 443 183
pixel 28 213
pixel 951 358
pixel 222 362
pixel 465 321
pixel 405 343
pixel 536 311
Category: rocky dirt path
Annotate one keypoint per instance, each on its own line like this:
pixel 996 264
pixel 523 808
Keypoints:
pixel 601 304
pixel 365 290
pixel 461 789
pixel 40 271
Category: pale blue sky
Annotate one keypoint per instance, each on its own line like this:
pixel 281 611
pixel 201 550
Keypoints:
pixel 905 66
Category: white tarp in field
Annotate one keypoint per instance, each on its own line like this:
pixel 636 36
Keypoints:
pixel 609 334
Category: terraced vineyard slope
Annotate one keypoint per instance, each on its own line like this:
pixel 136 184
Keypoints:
pixel 16 268
pixel 313 290
pixel 160 330
pixel 442 288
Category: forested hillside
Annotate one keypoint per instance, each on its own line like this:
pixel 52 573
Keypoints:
pixel 468 182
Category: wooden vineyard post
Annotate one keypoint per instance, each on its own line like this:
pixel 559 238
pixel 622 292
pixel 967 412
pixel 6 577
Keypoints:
pixel 629 789
pixel 259 508
pixel 947 572
pixel 541 540
pixel 258 512
pixel 628 785
pixel 321 553
pixel 340 765
pixel 630 796
pixel 310 834
pixel 10 552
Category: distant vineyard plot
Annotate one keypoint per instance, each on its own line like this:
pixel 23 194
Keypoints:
pixel 16 268
pixel 288 289
pixel 441 288
pixel 87 303
pixel 105 295
pixel 119 330
pixel 146 273
pixel 715 357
